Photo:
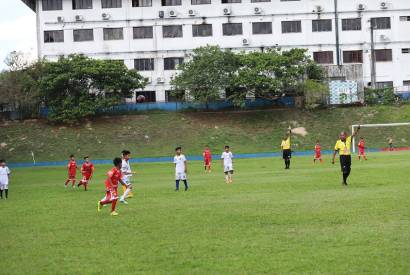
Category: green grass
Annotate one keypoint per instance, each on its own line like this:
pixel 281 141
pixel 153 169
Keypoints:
pixel 270 221
pixel 157 134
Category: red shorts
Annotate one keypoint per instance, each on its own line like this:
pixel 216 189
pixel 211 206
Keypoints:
pixel 361 151
pixel 86 177
pixel 207 162
pixel 71 175
pixel 111 194
pixel 318 156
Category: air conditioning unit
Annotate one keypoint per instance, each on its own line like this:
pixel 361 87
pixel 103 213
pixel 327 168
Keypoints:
pixel 161 14
pixel 160 80
pixel 148 79
pixel 191 13
pixel 384 37
pixel 227 11
pixel 318 9
pixel 172 13
pixel 79 18
pixel 384 5
pixel 105 16
pixel 361 7
pixel 257 10
pixel 245 42
pixel 60 19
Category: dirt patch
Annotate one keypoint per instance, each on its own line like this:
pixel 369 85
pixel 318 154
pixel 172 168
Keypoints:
pixel 300 131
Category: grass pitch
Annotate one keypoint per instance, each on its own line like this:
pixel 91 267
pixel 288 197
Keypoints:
pixel 269 221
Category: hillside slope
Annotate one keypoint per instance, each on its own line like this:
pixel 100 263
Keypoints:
pixel 156 134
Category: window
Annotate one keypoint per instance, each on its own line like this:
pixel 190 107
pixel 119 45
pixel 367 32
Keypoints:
pixel 172 31
pixel 322 25
pixel 232 29
pixel 143 32
pixel 82 4
pixel 230 1
pixel 325 57
pixel 111 4
pixel 200 2
pixel 113 34
pixel 383 55
pixel 171 63
pixel 353 56
pixel 83 35
pixel 141 3
pixel 406 83
pixel 52 5
pixel 144 64
pixel 171 2
pixel 53 36
pixel 352 24
pixel 291 26
pixel 404 18
pixel 202 30
pixel 257 1
pixel 384 84
pixel 381 23
pixel 150 96
pixel 262 27
pixel 405 50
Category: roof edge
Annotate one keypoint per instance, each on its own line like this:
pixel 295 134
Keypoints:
pixel 31 4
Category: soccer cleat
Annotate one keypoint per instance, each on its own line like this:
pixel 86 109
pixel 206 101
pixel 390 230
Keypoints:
pixel 113 213
pixel 123 201
pixel 98 206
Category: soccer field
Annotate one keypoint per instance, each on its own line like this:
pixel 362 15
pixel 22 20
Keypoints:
pixel 270 220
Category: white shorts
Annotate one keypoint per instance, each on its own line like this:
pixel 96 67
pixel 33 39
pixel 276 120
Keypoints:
pixel 180 176
pixel 127 181
pixel 228 168
pixel 4 185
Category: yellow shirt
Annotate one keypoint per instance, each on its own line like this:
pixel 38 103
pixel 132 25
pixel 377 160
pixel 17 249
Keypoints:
pixel 344 147
pixel 285 144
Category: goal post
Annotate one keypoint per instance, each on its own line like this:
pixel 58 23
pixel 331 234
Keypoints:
pixel 375 125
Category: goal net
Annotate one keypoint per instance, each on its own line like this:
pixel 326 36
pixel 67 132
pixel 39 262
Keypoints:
pixel 379 136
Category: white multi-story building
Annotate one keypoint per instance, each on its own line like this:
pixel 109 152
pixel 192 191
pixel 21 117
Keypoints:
pixel 154 36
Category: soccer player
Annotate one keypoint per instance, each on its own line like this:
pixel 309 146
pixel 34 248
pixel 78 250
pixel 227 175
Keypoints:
pixel 72 171
pixel 111 187
pixel 87 170
pixel 318 152
pixel 181 170
pixel 4 179
pixel 127 174
pixel 360 145
pixel 342 147
pixel 286 151
pixel 207 158
pixel 391 146
pixel 227 164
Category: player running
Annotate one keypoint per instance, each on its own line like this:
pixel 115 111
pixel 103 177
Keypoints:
pixel 72 171
pixel 361 147
pixel 87 170
pixel 4 179
pixel 318 152
pixel 342 147
pixel 286 149
pixel 127 174
pixel 207 159
pixel 111 187
pixel 181 169
pixel 227 164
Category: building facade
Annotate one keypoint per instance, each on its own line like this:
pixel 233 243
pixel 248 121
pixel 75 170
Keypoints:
pixel 154 36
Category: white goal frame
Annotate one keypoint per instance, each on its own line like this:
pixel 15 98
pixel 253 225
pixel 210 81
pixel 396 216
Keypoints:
pixel 375 125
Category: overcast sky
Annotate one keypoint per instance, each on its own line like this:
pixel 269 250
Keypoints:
pixel 17 29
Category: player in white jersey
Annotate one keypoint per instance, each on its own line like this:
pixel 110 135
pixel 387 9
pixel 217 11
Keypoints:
pixel 127 174
pixel 4 179
pixel 227 164
pixel 180 169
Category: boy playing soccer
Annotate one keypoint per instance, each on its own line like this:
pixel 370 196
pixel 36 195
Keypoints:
pixel 111 187
pixel 207 159
pixel 318 152
pixel 127 174
pixel 360 145
pixel 4 179
pixel 87 170
pixel 180 169
pixel 227 164
pixel 72 171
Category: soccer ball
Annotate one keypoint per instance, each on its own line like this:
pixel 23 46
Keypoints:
pixel 140 98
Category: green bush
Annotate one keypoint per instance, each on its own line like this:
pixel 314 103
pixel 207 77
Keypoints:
pixel 384 96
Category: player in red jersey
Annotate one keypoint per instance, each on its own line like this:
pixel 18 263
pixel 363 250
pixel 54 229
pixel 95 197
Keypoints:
pixel 111 187
pixel 207 159
pixel 87 170
pixel 360 145
pixel 72 171
pixel 318 152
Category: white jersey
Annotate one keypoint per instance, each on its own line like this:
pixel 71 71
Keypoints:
pixel 179 164
pixel 126 170
pixel 4 175
pixel 227 157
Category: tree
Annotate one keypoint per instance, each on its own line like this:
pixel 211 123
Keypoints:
pixel 76 87
pixel 209 72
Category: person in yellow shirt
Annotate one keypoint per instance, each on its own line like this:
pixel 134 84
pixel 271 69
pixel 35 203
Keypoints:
pixel 342 147
pixel 286 149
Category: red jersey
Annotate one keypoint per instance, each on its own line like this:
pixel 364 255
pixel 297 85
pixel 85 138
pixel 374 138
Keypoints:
pixel 361 144
pixel 115 175
pixel 87 168
pixel 207 154
pixel 318 152
pixel 72 167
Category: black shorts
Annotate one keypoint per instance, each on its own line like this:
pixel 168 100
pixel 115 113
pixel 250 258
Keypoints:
pixel 287 154
pixel 345 163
